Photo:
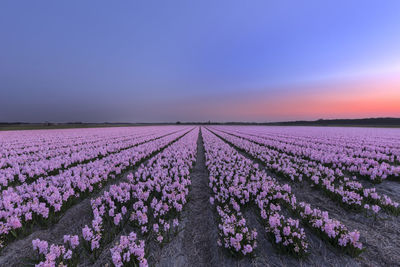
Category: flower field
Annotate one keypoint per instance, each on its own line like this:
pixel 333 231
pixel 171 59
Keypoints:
pixel 200 196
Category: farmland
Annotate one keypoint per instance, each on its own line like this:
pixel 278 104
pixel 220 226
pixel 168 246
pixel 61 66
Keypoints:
pixel 206 195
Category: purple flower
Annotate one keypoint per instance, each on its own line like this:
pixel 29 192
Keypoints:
pixel 40 246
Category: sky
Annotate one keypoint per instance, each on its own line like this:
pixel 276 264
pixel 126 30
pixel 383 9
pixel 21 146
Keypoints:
pixel 227 60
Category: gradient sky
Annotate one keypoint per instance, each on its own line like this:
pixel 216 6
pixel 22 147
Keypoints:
pixel 147 61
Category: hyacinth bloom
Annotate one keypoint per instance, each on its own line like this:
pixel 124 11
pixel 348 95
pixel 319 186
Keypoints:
pixel 268 194
pixel 40 246
pixel 56 255
pixel 129 250
pixel 73 241
pixel 228 182
pixel 233 232
pixel 288 163
pixel 41 179
pixel 364 155
pixel 167 173
pixel 43 152
pixel 46 196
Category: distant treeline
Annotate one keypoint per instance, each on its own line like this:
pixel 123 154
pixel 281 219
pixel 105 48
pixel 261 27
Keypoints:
pixel 378 122
pixel 9 126
pixel 368 122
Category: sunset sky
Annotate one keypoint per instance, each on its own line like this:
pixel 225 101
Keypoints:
pixel 160 61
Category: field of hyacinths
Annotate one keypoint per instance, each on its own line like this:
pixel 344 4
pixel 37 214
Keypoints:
pixel 200 196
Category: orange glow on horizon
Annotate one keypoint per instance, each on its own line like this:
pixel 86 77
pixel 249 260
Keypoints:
pixel 370 98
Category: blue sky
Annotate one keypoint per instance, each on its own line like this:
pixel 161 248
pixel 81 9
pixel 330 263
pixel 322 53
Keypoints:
pixel 168 60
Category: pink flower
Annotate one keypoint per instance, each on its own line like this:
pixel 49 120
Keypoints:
pixel 14 222
pixel 376 208
pixel 117 218
pixel 41 246
pixel 73 241
pixel 247 249
pixel 212 200
pixel 87 233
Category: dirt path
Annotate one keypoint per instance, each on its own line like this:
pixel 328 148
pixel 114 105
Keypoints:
pixel 195 244
pixel 321 253
pixel 200 231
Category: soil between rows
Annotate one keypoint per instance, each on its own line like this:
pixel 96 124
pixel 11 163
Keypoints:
pixel 20 253
pixel 389 187
pixel 381 237
pixel 195 244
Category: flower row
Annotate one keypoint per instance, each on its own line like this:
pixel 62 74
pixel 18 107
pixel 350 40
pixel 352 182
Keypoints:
pixel 378 147
pixel 39 201
pixel 150 203
pixel 346 191
pixel 268 194
pixel 27 168
pixel 362 163
pixel 236 183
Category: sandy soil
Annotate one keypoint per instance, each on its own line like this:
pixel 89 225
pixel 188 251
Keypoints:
pixel 381 237
pixel 20 252
pixel 195 245
pixel 195 242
